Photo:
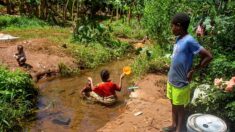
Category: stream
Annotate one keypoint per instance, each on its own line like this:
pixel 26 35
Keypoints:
pixel 60 97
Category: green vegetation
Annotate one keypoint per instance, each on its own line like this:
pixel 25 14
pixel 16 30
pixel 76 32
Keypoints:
pixel 215 101
pixel 66 71
pixel 17 98
pixel 122 29
pixel 9 22
pixel 97 25
pixel 218 17
pixel 96 54
pixel 150 60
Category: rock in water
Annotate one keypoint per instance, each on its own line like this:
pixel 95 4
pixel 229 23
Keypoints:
pixel 61 120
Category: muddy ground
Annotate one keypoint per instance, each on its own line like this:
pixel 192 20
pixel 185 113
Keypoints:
pixel 42 55
pixel 148 110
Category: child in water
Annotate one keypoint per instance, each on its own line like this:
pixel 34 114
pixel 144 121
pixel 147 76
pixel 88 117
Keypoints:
pixel 105 91
pixel 20 55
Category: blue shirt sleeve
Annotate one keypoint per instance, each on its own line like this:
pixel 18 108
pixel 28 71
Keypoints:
pixel 194 46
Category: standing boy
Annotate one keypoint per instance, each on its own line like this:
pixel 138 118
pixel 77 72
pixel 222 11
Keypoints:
pixel 181 71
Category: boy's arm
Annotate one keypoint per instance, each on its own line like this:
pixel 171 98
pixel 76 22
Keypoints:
pixel 91 82
pixel 120 82
pixel 206 58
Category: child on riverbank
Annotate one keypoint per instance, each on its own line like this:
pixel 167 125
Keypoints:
pixel 181 71
pixel 20 55
pixel 105 92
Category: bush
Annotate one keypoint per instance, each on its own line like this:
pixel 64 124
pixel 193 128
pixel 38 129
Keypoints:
pixel 88 31
pixel 66 71
pixel 216 101
pixel 221 66
pixel 94 54
pixel 150 60
pixel 20 22
pixel 124 30
pixel 17 98
pixel 157 15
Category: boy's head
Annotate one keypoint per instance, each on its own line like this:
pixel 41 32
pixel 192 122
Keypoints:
pixel 180 23
pixel 20 48
pixel 104 74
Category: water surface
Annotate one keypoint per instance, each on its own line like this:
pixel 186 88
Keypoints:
pixel 62 97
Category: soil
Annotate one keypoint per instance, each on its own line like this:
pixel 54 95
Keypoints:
pixel 41 54
pixel 147 109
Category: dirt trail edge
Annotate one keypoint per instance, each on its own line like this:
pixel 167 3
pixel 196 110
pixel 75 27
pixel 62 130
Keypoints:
pixel 147 110
pixel 42 55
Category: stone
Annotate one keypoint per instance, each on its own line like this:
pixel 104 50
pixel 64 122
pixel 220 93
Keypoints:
pixel 61 120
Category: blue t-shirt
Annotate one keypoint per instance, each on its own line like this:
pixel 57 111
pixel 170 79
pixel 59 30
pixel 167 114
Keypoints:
pixel 182 59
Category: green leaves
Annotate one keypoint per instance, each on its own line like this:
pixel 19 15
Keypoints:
pixel 88 31
pixel 215 101
pixel 20 22
pixel 17 97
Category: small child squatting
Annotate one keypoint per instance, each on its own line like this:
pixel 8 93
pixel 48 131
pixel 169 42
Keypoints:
pixel 20 55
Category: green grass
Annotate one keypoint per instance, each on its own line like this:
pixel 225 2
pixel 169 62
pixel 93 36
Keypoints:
pixel 95 54
pixel 17 98
pixel 150 60
pixel 87 55
pixel 7 21
pixel 123 29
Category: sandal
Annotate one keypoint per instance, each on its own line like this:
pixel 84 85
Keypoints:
pixel 169 129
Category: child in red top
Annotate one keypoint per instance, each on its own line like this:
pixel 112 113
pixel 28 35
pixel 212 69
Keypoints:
pixel 105 91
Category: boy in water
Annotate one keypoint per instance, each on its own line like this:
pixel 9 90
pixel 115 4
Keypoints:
pixel 181 71
pixel 105 91
pixel 20 55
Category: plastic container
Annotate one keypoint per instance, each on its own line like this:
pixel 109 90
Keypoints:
pixel 205 123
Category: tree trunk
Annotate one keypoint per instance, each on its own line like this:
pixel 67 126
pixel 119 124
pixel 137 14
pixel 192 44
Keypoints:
pixel 8 2
pixel 77 10
pixel 21 8
pixel 112 14
pixel 42 9
pixel 65 11
pixel 129 16
pixel 117 14
pixel 37 10
pixel 139 18
pixel 73 10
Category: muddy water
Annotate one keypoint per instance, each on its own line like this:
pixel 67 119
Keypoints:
pixel 60 97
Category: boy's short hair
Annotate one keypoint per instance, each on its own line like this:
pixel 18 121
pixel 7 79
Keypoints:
pixel 20 47
pixel 104 74
pixel 181 19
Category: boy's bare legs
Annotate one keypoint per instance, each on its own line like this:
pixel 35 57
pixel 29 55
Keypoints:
pixel 180 113
pixel 174 116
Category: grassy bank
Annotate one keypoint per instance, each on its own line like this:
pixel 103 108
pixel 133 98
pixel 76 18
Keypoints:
pixel 152 59
pixel 17 95
pixel 17 98
pixel 87 55
pixel 123 29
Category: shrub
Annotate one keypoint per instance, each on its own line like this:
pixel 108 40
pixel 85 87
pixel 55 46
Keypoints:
pixel 215 101
pixel 17 98
pixel 94 54
pixel 150 60
pixel 88 31
pixel 20 22
pixel 124 30
pixel 66 71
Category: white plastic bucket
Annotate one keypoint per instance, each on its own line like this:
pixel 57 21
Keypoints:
pixel 205 123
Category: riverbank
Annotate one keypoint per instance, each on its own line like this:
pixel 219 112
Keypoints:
pixel 41 54
pixel 147 109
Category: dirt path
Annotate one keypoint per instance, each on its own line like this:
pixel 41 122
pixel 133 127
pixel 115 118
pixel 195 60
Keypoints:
pixel 150 100
pixel 41 54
